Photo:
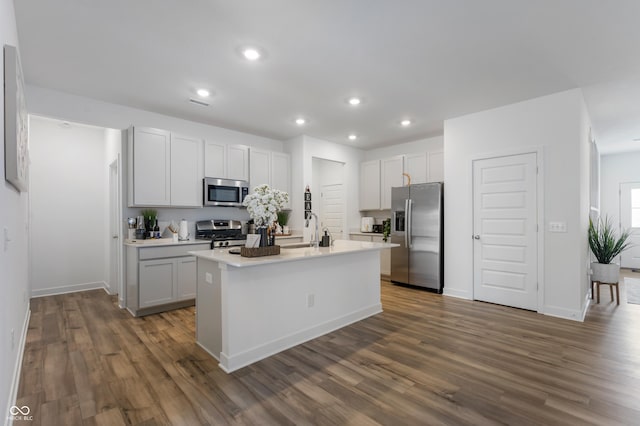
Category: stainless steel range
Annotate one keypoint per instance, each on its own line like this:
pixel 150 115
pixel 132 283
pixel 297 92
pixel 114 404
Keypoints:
pixel 221 232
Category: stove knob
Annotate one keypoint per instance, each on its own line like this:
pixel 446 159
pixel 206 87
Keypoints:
pixel 220 244
pixel 226 243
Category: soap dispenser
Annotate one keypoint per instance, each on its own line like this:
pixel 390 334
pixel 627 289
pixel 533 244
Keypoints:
pixel 326 240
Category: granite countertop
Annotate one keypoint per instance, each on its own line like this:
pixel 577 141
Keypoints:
pixel 294 253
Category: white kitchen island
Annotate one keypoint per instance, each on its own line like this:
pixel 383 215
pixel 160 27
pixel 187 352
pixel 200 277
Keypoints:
pixel 250 308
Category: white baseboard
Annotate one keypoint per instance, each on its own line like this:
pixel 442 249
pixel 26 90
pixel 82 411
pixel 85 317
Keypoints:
pixel 231 363
pixel 460 294
pixel 17 369
pixel 69 289
pixel 564 313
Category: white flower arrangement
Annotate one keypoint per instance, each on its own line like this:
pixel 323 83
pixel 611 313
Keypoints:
pixel 264 204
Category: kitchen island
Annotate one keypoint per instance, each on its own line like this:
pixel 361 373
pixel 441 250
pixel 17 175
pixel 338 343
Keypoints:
pixel 250 308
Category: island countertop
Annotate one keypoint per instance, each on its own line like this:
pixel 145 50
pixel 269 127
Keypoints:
pixel 290 253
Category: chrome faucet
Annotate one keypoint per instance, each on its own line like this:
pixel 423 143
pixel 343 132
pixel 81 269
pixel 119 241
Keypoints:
pixel 315 240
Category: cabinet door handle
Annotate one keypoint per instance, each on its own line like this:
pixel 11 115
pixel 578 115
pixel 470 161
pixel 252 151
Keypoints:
pixel 476 237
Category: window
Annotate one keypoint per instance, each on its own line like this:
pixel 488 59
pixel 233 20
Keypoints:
pixel 635 208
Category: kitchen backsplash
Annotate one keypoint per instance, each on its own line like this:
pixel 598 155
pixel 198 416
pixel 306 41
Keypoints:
pixel 166 215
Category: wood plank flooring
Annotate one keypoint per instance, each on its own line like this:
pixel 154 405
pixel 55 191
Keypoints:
pixel 426 359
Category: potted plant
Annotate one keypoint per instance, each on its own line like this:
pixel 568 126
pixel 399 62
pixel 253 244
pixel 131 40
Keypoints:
pixel 283 219
pixel 605 247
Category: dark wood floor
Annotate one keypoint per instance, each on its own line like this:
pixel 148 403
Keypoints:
pixel 427 359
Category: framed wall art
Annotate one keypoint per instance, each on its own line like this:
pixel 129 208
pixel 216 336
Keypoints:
pixel 16 122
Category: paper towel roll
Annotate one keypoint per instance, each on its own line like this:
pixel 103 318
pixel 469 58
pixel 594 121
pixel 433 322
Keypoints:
pixel 183 232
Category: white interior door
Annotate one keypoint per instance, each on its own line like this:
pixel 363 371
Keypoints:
pixel 630 219
pixel 505 230
pixel 332 209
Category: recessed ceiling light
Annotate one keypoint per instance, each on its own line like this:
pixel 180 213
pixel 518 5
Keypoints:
pixel 405 122
pixel 203 93
pixel 353 137
pixel 251 53
pixel 300 121
pixel 354 101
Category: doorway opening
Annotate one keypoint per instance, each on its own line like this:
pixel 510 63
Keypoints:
pixel 330 202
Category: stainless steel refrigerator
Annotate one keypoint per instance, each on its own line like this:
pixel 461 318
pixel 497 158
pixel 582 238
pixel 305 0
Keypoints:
pixel 417 225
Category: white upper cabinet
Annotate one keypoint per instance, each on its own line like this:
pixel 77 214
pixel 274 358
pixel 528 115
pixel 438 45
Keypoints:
pixel 436 166
pixel 215 159
pixel 259 167
pixel 281 173
pixel 164 169
pixel 186 171
pixel 377 177
pixel 238 162
pixel 149 167
pixel 272 168
pixel 415 165
pixel 226 161
pixel 391 170
pixel 370 185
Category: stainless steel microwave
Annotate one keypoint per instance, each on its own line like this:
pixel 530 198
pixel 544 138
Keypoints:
pixel 225 192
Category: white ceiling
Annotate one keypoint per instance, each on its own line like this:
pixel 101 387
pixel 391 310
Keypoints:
pixel 426 60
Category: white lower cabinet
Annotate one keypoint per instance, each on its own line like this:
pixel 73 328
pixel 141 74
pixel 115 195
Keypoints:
pixel 187 276
pixel 161 278
pixel 385 254
pixel 157 279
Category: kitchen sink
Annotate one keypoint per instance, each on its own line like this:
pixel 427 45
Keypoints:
pixel 294 245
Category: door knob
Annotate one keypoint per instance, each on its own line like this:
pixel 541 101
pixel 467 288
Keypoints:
pixel 476 237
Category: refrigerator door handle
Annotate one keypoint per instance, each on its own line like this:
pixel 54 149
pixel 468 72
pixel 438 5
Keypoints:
pixel 406 217
pixel 409 220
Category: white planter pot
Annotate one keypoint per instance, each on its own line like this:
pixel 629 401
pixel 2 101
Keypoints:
pixel 605 273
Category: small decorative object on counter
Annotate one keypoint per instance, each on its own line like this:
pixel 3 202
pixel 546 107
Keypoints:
pixel 386 229
pixel 263 205
pixel 156 230
pixel 141 231
pixel 283 219
pixel 150 216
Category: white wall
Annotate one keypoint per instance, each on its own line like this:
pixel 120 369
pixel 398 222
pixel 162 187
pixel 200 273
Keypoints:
pixel 69 209
pixel 557 124
pixel 54 104
pixel 51 103
pixel 614 170
pixel 14 282
pixel 414 147
pixel 303 150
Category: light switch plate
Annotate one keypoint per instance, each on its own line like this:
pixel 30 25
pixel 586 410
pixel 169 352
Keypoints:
pixel 557 226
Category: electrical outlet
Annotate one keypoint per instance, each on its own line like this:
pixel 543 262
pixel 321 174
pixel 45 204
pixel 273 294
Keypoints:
pixel 208 277
pixel 311 300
